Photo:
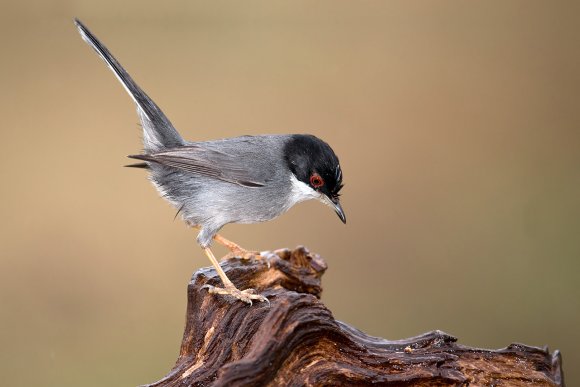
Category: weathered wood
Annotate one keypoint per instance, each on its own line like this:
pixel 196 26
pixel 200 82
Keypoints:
pixel 296 341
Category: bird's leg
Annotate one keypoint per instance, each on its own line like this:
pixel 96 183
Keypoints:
pixel 229 288
pixel 236 250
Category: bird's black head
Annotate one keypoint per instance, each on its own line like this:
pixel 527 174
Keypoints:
pixel 314 163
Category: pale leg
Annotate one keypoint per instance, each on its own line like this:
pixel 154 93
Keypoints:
pixel 237 250
pixel 229 288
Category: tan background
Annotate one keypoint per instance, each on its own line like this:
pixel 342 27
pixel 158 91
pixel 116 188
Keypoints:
pixel 458 128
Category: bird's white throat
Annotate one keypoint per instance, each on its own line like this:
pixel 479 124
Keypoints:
pixel 301 191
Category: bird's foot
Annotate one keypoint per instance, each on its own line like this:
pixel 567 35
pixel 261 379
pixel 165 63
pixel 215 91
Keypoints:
pixel 236 251
pixel 243 295
pixel 247 255
pixel 243 254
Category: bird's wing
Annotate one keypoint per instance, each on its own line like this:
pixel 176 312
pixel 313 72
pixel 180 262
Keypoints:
pixel 207 162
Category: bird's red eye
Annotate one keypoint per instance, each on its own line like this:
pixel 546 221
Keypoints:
pixel 316 181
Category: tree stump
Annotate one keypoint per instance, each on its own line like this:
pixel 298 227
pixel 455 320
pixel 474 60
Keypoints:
pixel 296 341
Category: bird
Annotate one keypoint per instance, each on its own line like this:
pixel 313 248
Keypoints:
pixel 245 179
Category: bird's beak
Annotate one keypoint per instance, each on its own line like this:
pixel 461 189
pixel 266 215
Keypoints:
pixel 339 211
pixel 335 204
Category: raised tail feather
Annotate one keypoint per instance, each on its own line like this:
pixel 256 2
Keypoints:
pixel 158 132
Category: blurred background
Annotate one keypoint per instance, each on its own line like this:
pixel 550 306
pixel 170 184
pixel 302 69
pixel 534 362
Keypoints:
pixel 458 129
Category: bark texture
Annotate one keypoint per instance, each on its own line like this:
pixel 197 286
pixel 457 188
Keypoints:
pixel 296 341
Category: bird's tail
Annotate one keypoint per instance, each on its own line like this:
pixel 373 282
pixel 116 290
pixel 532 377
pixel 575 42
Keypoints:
pixel 158 132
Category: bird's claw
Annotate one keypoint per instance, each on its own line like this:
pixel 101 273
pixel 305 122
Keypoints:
pixel 247 255
pixel 243 254
pixel 246 295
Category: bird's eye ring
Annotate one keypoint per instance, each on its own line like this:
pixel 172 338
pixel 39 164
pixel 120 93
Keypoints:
pixel 316 181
